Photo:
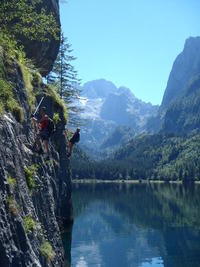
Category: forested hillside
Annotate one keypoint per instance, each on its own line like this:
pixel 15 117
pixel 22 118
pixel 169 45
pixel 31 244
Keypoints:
pixel 183 116
pixel 156 157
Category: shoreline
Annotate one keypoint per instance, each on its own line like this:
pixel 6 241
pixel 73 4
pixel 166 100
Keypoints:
pixel 95 181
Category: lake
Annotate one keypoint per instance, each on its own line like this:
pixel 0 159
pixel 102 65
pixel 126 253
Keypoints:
pixel 134 225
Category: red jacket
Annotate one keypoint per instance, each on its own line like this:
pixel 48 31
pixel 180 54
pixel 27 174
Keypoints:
pixel 45 123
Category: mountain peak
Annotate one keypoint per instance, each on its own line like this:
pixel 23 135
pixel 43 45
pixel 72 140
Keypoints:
pixel 192 42
pixel 125 90
pixel 100 88
pixel 107 107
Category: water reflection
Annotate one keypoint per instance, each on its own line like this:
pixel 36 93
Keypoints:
pixel 67 242
pixel 135 225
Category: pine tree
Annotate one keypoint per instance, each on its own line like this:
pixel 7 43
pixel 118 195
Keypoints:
pixel 65 79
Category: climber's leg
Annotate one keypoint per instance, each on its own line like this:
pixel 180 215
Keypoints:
pixel 46 146
pixel 70 146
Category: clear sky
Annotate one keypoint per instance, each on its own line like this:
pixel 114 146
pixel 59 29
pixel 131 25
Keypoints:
pixel 132 43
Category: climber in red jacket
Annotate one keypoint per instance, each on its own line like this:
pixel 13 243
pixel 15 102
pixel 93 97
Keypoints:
pixel 43 133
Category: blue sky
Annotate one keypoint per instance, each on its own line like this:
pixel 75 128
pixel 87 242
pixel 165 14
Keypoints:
pixel 132 43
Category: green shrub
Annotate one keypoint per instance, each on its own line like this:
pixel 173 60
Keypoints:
pixel 1 109
pixel 29 224
pixel 56 118
pixel 27 77
pixel 12 205
pixel 6 92
pixel 9 45
pixel 18 114
pixel 47 251
pixel 27 20
pixel 15 109
pixel 12 182
pixel 8 102
pixel 32 80
pixel 58 102
pixel 36 79
pixel 2 72
pixel 30 172
pixel 11 51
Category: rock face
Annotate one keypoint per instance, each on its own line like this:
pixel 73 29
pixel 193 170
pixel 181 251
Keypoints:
pixel 182 96
pixel 186 67
pixel 178 102
pixel 35 195
pixel 44 54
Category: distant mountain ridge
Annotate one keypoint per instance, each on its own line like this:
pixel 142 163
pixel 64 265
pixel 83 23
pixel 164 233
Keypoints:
pixel 107 107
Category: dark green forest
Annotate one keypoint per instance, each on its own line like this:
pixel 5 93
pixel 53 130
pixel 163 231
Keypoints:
pixel 183 115
pixel 148 157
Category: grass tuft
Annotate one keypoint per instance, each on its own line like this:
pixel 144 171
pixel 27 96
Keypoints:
pixel 47 251
pixel 29 224
pixel 8 102
pixel 12 182
pixel 58 101
pixel 56 118
pixel 30 172
pixel 28 85
pixel 18 113
pixel 12 205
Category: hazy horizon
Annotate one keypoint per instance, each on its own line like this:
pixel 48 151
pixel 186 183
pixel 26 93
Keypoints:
pixel 133 44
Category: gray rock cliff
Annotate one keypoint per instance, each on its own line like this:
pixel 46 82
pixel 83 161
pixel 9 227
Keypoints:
pixel 185 67
pixel 44 54
pixel 185 70
pixel 35 195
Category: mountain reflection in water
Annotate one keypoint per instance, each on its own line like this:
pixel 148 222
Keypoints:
pixel 128 225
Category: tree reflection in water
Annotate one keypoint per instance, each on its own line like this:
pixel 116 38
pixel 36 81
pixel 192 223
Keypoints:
pixel 127 225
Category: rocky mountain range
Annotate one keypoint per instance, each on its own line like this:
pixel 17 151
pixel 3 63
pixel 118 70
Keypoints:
pixel 107 107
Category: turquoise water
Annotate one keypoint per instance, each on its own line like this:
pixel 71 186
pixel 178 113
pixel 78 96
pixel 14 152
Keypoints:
pixel 134 226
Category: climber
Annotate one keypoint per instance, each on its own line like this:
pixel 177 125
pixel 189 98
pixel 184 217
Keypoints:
pixel 43 133
pixel 75 139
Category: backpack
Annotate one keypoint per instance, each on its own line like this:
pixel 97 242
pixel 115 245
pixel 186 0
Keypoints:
pixel 51 126
pixel 77 139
